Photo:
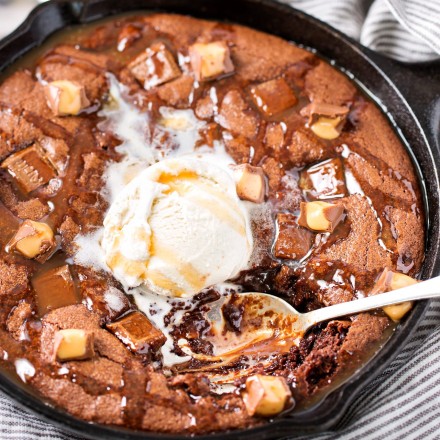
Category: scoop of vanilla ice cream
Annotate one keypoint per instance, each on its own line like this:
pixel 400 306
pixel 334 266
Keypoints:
pixel 176 228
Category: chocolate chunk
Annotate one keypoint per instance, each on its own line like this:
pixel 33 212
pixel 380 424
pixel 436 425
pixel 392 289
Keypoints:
pixel 198 386
pixel 273 97
pixel 29 168
pixel 324 180
pixel 154 66
pixel 293 242
pixel 316 109
pixel 136 331
pixel 22 91
pixel 54 288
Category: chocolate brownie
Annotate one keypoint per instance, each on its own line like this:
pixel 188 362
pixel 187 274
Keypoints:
pixel 332 194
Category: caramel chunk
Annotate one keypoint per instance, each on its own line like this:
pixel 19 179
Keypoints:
pixel 389 281
pixel 324 180
pixel 250 183
pixel 175 122
pixel 66 98
pixel 29 168
pixel 273 97
pixel 210 60
pixel 327 128
pixel 320 216
pixel 293 242
pixel 397 311
pixel 266 395
pixel 325 120
pixel 154 66
pixel 136 331
pixel 73 345
pixel 54 288
pixel 33 240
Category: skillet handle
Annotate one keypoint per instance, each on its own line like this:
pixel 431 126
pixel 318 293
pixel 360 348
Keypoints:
pixel 419 84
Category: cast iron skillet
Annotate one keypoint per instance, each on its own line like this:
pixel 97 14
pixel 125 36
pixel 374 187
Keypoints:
pixel 411 95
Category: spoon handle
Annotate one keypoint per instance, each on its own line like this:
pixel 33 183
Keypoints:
pixel 424 290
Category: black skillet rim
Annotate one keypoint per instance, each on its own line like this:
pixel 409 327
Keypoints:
pixel 51 16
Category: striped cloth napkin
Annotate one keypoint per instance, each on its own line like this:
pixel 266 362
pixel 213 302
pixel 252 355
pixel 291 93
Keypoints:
pixel 406 30
pixel 404 402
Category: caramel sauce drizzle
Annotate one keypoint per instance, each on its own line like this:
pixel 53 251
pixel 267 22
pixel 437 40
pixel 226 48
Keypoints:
pixel 191 275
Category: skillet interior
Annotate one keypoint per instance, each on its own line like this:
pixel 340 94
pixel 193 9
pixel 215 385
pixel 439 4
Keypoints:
pixel 421 135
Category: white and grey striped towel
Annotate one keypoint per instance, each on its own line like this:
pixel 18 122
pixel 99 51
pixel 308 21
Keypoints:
pixel 404 402
pixel 406 30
